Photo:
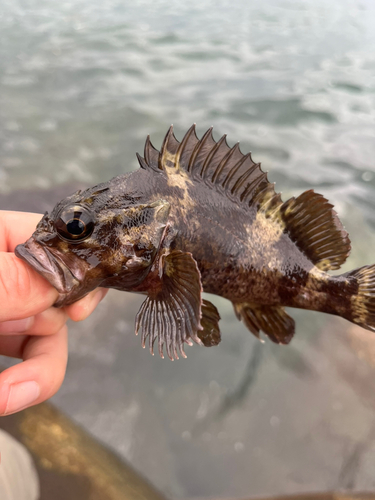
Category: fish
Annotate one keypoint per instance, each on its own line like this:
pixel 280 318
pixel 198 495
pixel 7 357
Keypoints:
pixel 201 216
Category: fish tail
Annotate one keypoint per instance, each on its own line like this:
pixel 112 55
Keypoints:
pixel 363 298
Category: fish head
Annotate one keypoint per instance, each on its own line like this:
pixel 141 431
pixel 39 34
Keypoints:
pixel 93 239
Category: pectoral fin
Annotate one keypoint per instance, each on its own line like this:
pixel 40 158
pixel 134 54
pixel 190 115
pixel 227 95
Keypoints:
pixel 210 335
pixel 172 313
pixel 272 320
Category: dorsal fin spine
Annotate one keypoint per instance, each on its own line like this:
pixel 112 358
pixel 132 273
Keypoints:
pixel 233 172
pixel 276 209
pixel 252 186
pixel 164 148
pixel 223 162
pixel 211 155
pixel 146 153
pixel 142 161
pixel 261 196
pixel 241 180
pixel 149 148
pixel 183 143
pixel 267 202
pixel 198 147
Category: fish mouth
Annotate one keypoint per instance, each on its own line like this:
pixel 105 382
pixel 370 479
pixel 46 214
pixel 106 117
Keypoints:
pixel 48 264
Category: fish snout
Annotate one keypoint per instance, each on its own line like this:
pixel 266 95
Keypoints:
pixel 48 264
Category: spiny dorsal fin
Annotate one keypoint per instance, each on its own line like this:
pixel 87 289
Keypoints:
pixel 316 229
pixel 214 163
pixel 309 219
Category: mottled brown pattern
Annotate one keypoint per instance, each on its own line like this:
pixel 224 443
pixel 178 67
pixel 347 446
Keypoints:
pixel 197 216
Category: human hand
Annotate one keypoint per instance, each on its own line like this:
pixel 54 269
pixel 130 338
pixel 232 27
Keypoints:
pixel 30 328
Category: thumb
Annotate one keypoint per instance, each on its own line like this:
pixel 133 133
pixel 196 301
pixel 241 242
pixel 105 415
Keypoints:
pixel 23 292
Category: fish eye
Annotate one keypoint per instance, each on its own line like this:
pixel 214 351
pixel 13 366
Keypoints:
pixel 75 223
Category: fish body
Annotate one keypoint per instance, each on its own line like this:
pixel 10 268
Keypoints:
pixel 201 216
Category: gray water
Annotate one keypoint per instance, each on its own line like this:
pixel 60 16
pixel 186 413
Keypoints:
pixel 81 85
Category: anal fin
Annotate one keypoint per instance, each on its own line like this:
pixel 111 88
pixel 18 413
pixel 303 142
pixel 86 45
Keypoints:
pixel 210 335
pixel 272 320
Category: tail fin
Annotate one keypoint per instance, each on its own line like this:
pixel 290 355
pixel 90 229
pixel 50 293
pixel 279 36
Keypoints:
pixel 363 301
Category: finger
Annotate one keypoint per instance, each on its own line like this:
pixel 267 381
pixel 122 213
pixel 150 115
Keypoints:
pixel 23 292
pixel 47 322
pixel 38 377
pixel 15 228
pixel 81 309
pixel 13 345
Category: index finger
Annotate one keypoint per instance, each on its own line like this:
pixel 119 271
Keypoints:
pixel 15 228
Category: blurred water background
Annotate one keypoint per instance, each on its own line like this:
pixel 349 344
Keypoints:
pixel 81 85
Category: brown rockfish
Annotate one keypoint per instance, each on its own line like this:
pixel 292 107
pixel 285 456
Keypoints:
pixel 201 216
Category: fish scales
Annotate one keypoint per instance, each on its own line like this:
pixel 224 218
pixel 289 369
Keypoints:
pixel 201 216
pixel 229 237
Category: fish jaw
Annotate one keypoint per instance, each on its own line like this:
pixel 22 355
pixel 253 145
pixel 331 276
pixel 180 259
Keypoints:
pixel 51 267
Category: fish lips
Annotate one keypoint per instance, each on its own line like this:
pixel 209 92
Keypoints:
pixel 48 264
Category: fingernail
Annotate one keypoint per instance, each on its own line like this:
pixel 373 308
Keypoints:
pixel 21 395
pixel 16 326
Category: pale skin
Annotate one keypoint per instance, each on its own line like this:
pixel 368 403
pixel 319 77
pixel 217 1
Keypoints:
pixel 30 328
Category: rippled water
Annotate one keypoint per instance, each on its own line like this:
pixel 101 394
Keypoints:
pixel 81 85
